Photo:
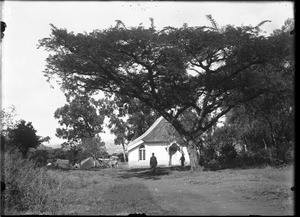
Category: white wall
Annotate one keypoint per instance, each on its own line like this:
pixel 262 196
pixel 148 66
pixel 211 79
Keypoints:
pixel 160 153
pixel 133 158
pixel 159 150
pixel 176 157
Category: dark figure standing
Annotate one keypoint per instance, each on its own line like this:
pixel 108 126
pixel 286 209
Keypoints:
pixel 182 159
pixel 3 26
pixel 153 163
pixel 2 186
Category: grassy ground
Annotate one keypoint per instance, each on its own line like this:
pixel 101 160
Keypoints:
pixel 173 191
pixel 103 193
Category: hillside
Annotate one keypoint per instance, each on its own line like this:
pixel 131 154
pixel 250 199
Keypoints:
pixel 44 147
pixel 109 144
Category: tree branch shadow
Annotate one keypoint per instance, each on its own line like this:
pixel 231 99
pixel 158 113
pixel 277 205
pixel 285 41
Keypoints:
pixel 146 173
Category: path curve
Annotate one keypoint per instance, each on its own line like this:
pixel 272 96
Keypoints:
pixel 179 197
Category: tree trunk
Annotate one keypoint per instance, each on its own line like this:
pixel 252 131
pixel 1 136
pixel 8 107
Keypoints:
pixel 194 156
pixel 266 147
pixel 124 152
pixel 190 143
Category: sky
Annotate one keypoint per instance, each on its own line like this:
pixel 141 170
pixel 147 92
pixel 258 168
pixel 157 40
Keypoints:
pixel 23 83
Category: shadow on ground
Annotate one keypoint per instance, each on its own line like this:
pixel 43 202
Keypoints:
pixel 145 173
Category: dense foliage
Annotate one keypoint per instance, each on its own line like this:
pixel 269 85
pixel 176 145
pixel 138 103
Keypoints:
pixel 79 119
pixel 264 127
pixel 24 137
pixel 81 122
pixel 29 188
pixel 40 157
pixel 128 119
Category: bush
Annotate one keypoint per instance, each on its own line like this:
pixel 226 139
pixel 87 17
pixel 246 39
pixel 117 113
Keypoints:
pixel 228 158
pixel 40 157
pixel 273 156
pixel 282 155
pixel 27 186
pixel 253 159
pixel 212 165
pixel 121 157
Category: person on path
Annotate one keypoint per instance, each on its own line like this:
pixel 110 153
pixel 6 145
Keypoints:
pixel 153 163
pixel 182 159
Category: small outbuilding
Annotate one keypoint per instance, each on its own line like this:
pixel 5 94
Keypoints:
pixel 156 140
pixel 62 163
pixel 89 163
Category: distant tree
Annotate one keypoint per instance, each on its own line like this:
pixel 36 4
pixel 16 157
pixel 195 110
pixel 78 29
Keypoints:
pixel 73 154
pixel 94 146
pixel 203 70
pixel 128 119
pixel 24 137
pixel 57 153
pixel 45 139
pixel 8 121
pixel 79 119
pixel 8 118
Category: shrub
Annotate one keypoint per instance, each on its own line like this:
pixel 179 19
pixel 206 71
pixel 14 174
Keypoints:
pixel 245 159
pixel 27 186
pixel 253 159
pixel 273 156
pixel 40 157
pixel 283 154
pixel 121 157
pixel 228 158
pixel 212 165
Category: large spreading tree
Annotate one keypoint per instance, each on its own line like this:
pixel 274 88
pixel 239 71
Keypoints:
pixel 203 71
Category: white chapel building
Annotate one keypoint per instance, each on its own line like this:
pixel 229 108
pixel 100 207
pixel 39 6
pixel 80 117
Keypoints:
pixel 155 140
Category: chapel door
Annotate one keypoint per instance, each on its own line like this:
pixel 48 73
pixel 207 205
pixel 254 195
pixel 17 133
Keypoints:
pixel 172 150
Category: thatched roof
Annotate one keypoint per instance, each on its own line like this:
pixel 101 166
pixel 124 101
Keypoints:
pixel 160 131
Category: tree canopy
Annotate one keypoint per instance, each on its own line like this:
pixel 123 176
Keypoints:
pixel 79 119
pixel 24 137
pixel 203 71
pixel 128 119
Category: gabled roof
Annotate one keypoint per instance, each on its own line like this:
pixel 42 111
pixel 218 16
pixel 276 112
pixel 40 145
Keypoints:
pixel 158 132
pixel 86 160
pixel 87 163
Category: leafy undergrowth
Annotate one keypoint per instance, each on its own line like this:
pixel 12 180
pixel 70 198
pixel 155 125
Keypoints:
pixel 28 188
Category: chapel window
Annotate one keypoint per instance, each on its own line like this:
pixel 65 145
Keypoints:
pixel 142 153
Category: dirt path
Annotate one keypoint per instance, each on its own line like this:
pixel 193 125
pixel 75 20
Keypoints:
pixel 186 199
pixel 180 197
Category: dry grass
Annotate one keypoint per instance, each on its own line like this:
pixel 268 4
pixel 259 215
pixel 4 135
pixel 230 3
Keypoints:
pixel 110 192
pixel 266 185
pixel 101 193
pixel 28 188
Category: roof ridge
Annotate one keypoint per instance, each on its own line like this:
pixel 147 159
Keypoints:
pixel 132 144
pixel 85 160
